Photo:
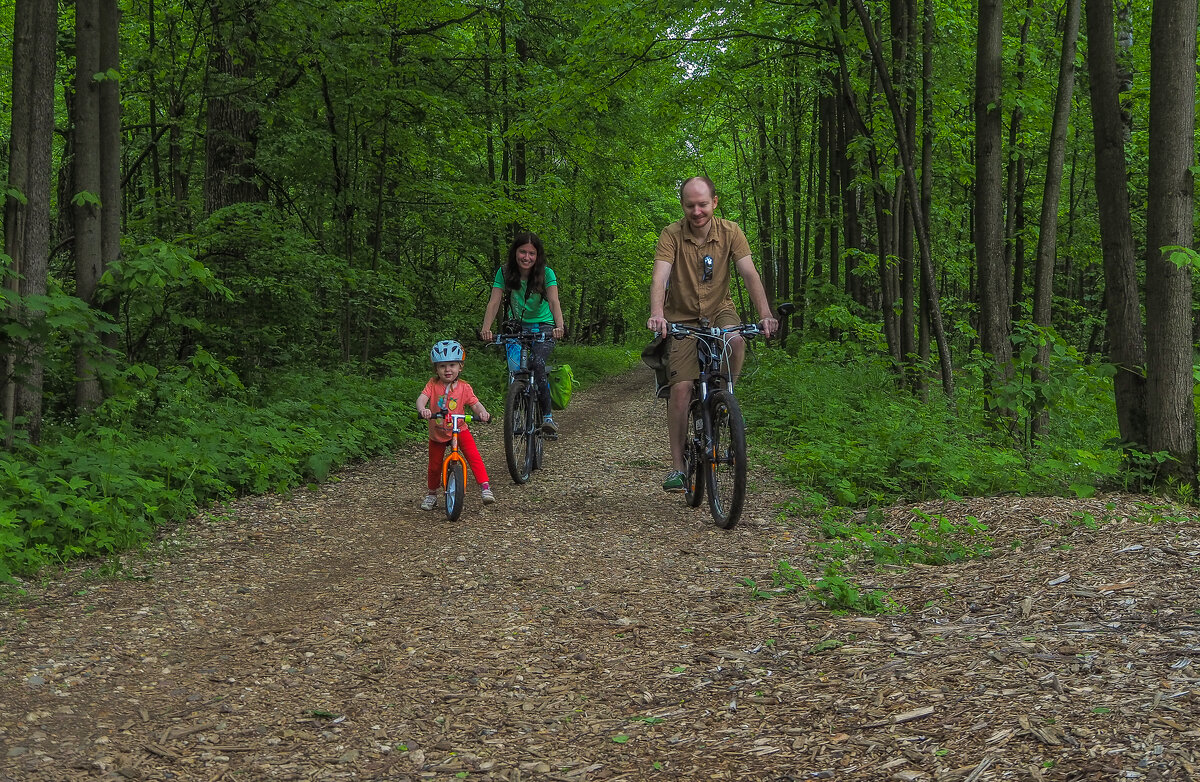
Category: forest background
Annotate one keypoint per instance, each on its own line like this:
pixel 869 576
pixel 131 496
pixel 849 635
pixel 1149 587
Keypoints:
pixel 232 229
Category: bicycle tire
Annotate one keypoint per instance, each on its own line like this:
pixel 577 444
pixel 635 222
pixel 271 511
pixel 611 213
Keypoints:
pixel 726 460
pixel 693 456
pixel 456 485
pixel 516 431
pixel 533 453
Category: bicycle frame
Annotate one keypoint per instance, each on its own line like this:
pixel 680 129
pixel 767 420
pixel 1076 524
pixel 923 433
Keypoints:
pixel 715 445
pixel 452 453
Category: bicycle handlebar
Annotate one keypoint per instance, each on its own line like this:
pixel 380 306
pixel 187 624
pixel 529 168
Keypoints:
pixel 681 330
pixel 522 336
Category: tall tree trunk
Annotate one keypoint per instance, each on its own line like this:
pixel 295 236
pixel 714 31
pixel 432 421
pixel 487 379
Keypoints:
pixel 825 120
pixel 851 222
pixel 1014 191
pixel 926 201
pixel 110 152
pixel 86 204
pixel 928 283
pixel 802 177
pixel 994 324
pixel 1043 266
pixel 1169 381
pixel 231 139
pixel 27 222
pixel 762 200
pixel 1127 349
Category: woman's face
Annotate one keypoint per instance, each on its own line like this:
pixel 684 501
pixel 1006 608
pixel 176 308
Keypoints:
pixel 526 258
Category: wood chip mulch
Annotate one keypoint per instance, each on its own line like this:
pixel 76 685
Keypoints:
pixel 589 626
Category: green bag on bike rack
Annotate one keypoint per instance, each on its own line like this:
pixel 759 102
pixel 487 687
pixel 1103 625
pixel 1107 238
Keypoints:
pixel 562 385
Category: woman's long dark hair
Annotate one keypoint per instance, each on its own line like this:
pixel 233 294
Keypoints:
pixel 537 275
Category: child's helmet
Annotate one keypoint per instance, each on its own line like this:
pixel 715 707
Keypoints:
pixel 446 350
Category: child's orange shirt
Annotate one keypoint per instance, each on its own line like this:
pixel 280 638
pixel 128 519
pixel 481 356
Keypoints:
pixel 457 399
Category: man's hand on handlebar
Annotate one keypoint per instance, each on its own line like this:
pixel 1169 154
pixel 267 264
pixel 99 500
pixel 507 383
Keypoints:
pixel 657 324
pixel 769 326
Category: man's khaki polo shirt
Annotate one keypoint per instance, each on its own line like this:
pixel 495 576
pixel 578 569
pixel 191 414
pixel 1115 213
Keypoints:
pixel 689 296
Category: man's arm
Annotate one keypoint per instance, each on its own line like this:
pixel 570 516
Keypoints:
pixel 658 296
pixel 758 294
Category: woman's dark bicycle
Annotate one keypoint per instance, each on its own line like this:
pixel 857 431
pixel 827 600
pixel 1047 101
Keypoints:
pixel 523 436
pixel 714 449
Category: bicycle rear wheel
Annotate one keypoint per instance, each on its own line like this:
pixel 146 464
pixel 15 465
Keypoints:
pixel 693 456
pixel 517 433
pixel 727 460
pixel 456 484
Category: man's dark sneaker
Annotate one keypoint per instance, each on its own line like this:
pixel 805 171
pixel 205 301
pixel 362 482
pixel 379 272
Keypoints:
pixel 674 482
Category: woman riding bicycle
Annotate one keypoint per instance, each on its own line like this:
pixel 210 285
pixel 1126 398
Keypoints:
pixel 531 291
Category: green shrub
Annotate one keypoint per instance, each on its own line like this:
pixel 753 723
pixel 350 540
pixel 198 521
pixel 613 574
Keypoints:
pixel 843 429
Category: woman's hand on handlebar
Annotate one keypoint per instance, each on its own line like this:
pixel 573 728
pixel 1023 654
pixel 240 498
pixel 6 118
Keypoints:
pixel 486 334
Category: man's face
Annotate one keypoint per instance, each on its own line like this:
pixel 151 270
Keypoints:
pixel 698 205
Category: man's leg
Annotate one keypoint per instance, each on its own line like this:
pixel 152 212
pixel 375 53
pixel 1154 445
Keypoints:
pixel 677 410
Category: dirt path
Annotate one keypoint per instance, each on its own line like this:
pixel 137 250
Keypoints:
pixel 589 626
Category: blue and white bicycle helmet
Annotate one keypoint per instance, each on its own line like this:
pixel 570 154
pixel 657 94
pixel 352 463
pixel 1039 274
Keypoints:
pixel 447 350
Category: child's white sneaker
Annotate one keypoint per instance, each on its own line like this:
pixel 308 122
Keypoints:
pixel 430 502
pixel 488 497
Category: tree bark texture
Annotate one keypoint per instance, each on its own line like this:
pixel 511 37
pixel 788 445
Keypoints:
pixel 994 324
pixel 1127 346
pixel 27 225
pixel 1172 415
pixel 110 150
pixel 89 256
pixel 928 284
pixel 231 138
pixel 1056 155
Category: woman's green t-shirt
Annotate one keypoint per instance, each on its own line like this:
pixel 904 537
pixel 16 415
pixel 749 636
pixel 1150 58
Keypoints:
pixel 532 309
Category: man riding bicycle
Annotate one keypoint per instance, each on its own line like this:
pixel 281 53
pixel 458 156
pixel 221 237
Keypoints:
pixel 693 265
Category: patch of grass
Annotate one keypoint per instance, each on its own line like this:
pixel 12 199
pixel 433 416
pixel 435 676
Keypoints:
pixel 932 539
pixel 833 589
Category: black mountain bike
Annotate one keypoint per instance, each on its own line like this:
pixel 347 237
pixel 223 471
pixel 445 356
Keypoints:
pixel 714 451
pixel 523 436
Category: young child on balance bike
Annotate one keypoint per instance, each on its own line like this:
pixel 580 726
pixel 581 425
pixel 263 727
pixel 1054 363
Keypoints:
pixel 450 393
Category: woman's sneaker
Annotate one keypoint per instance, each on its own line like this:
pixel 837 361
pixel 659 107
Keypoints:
pixel 430 502
pixel 675 481
pixel 549 428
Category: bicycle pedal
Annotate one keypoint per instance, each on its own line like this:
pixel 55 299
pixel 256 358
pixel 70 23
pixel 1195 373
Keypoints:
pixel 549 436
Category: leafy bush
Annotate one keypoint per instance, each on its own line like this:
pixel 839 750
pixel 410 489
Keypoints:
pixel 844 430
pixel 176 441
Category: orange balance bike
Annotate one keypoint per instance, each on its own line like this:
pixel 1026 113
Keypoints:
pixel 454 466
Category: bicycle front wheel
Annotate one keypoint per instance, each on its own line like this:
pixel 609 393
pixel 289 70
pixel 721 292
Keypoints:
pixel 456 484
pixel 517 433
pixel 727 460
pixel 693 456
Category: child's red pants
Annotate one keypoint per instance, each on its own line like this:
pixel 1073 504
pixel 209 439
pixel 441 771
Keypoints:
pixel 466 444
